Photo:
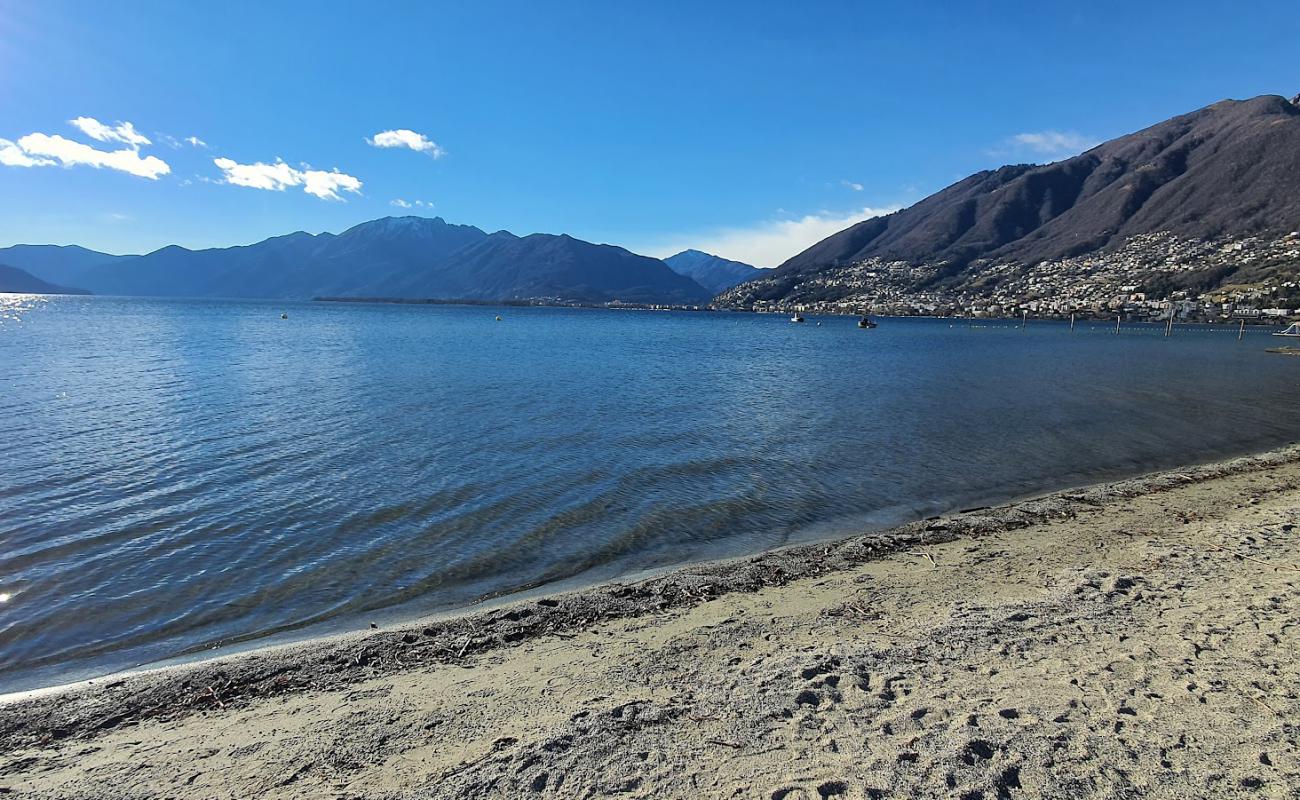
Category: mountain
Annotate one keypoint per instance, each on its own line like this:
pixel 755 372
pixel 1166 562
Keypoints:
pixel 401 258
pixel 1226 171
pixel 21 281
pixel 297 265
pixel 504 266
pixel 714 273
pixel 59 264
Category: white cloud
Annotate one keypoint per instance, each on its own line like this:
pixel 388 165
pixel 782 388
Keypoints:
pixel 409 139
pixel 857 187
pixel 123 132
pixel 275 176
pixel 11 155
pixel 279 176
pixel 769 243
pixel 327 185
pixel 400 203
pixel 1054 145
pixel 195 141
pixel 47 150
pixel 51 149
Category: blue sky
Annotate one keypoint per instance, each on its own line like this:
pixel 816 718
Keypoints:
pixel 751 129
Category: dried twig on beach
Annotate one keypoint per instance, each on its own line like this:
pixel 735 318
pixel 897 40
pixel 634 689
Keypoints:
pixel 1262 703
pixel 926 554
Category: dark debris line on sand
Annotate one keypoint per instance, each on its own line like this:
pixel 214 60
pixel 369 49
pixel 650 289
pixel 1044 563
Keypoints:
pixel 238 680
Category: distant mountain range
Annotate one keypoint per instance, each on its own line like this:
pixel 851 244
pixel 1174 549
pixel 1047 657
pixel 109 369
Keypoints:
pixel 1227 171
pixel 59 264
pixel 714 273
pixel 393 257
pixel 21 281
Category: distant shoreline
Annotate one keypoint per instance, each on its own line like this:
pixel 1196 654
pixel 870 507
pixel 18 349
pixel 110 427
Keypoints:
pixel 507 303
pixel 537 303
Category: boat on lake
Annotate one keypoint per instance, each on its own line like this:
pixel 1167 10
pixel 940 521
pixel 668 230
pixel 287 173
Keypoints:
pixel 797 317
pixel 1292 331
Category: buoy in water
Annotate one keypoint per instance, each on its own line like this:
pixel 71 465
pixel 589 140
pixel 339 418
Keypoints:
pixel 284 316
pixel 498 317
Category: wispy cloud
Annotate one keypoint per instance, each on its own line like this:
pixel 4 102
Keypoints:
pixel 857 187
pixel 408 139
pixel 123 132
pixel 1052 145
pixel 177 144
pixel 400 203
pixel 280 176
pixel 767 243
pixel 49 150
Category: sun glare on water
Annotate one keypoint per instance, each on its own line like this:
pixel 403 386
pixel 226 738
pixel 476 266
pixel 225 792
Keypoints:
pixel 13 306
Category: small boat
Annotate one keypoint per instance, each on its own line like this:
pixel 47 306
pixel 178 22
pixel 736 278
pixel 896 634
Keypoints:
pixel 498 317
pixel 1292 331
pixel 284 316
pixel 797 317
pixel 866 322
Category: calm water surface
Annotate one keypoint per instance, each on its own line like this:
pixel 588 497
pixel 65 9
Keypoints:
pixel 180 474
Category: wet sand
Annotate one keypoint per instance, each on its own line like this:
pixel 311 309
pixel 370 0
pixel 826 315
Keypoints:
pixel 1131 639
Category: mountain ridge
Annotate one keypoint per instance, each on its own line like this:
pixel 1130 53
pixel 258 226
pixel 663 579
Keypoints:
pixel 1229 169
pixel 398 257
pixel 14 280
pixel 62 265
pixel 715 273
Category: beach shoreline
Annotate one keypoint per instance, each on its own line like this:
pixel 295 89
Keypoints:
pixel 39 729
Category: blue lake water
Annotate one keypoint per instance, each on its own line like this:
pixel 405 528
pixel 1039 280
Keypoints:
pixel 176 475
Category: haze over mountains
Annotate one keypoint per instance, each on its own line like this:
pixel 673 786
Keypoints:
pixel 1231 169
pixel 393 257
pixel 714 273
pixel 13 279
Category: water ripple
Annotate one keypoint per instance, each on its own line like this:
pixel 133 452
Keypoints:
pixel 176 475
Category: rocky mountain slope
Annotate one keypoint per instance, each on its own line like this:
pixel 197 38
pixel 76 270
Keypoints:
pixel 1226 171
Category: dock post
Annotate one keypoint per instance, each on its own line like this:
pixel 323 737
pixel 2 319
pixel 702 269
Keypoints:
pixel 1117 318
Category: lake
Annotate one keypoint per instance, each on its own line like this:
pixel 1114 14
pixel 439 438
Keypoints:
pixel 177 475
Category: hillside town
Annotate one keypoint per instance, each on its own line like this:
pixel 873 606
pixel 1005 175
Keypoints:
pixel 1150 276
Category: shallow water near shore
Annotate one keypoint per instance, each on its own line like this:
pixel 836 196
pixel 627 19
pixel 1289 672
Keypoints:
pixel 180 474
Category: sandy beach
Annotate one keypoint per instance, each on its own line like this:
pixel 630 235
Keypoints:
pixel 1134 639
